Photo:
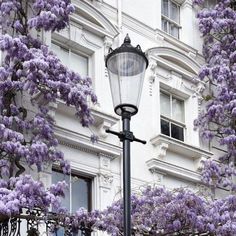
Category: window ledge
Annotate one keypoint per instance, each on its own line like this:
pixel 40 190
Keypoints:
pixel 82 142
pixel 165 143
pixel 158 166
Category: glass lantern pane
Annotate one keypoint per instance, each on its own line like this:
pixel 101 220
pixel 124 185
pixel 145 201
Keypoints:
pixel 165 104
pixel 126 73
pixel 177 109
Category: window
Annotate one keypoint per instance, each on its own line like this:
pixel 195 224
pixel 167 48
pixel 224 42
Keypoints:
pixel 79 192
pixel 170 18
pixel 76 196
pixel 172 116
pixel 73 60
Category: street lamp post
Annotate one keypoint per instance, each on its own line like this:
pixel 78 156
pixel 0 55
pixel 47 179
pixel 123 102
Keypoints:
pixel 126 67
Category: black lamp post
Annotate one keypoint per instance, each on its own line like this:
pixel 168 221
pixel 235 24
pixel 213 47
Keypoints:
pixel 126 67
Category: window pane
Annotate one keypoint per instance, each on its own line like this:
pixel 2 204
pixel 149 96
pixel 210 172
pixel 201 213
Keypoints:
pixel 165 104
pixel 174 31
pixel 62 53
pixel 79 64
pixel 56 177
pixel 174 12
pixel 80 193
pixel 80 190
pixel 164 7
pixel 177 110
pixel 164 24
pixel 165 127
pixel 177 132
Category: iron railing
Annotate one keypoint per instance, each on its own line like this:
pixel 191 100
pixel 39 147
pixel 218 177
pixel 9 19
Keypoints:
pixel 37 223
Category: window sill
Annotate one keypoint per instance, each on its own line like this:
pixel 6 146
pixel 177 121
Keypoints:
pixel 167 143
pixel 164 168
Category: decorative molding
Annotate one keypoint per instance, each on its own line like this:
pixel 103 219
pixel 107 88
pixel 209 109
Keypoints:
pixel 74 146
pixel 103 121
pixel 105 175
pixel 191 88
pixel 187 76
pixel 176 80
pixel 105 162
pixel 107 44
pixel 75 36
pixel 103 27
pixel 148 32
pixel 152 74
pixel 98 3
pixel 160 38
pixel 105 180
pixel 198 93
pixel 157 175
pixel 198 162
pixel 180 147
pixel 91 43
pixel 175 55
pixel 193 55
pixel 186 3
pixel 82 142
pixel 160 149
pixel 159 166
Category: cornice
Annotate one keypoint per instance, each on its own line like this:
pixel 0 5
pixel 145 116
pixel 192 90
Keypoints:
pixel 180 147
pixel 82 142
pixel 104 26
pixel 188 62
pixel 155 165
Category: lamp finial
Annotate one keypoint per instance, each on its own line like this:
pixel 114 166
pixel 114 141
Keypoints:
pixel 127 39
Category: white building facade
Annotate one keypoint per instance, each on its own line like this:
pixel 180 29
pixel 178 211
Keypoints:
pixel 168 32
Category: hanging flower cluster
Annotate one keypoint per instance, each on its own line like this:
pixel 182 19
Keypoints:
pixel 30 70
pixel 24 192
pixel 157 211
pixel 218 28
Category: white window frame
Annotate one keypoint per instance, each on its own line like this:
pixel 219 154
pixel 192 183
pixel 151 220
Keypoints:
pixel 75 173
pixel 169 20
pixel 170 119
pixel 75 51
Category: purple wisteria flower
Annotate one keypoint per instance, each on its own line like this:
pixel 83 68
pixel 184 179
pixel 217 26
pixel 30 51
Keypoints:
pixel 29 70
pixel 217 120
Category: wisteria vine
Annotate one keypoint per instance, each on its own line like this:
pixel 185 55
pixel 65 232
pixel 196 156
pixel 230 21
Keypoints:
pixel 217 120
pixel 29 70
pixel 160 212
